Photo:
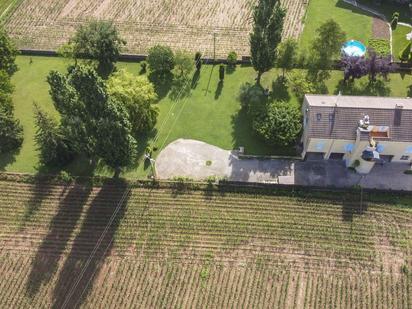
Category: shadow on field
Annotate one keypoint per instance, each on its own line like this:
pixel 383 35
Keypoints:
pixel 354 206
pixel 91 246
pixel 61 228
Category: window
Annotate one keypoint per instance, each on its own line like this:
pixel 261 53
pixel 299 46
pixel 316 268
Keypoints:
pixel 405 158
pixel 336 156
pixel 331 117
pixel 318 116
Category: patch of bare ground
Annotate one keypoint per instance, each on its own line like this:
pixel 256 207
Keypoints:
pixel 181 24
pixel 380 29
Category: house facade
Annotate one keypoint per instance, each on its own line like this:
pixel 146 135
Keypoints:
pixel 360 130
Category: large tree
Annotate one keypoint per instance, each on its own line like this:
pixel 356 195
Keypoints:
pixel 326 48
pixel 287 55
pixel 8 53
pixel 53 147
pixel 138 96
pixel 99 41
pixel 268 17
pixel 11 131
pixel 95 123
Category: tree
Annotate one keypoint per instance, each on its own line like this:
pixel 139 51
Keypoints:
pixel 354 67
pixel 379 65
pixel 54 149
pixel 329 40
pixel 138 97
pixel 394 21
pixel 221 72
pixel 280 123
pixel 161 59
pixel 287 55
pixel 198 61
pixel 268 17
pixel 95 123
pixel 8 53
pixel 232 59
pixel 11 131
pixel 99 41
pixel 184 65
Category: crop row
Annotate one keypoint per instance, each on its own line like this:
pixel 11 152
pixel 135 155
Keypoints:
pixel 143 284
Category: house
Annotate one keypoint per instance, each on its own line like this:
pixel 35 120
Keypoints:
pixel 360 130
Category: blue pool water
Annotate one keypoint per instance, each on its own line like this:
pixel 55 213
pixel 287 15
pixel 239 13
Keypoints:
pixel 354 48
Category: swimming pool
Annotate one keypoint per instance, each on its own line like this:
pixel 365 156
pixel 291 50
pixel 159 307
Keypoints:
pixel 354 48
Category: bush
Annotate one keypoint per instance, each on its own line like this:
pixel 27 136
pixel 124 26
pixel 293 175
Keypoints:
pixel 405 54
pixel 251 95
pixel 394 22
pixel 161 59
pixel 279 123
pixel 198 60
pixel 143 67
pixel 184 65
pixel 221 72
pixel 232 59
pixel 380 46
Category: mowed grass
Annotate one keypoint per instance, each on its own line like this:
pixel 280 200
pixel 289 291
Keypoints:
pixel 399 39
pixel 208 114
pixel 172 248
pixel 356 23
pixel 6 6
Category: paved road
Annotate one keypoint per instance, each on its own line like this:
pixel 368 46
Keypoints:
pixel 198 160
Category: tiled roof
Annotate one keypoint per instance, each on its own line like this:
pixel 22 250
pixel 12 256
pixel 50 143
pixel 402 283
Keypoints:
pixel 337 117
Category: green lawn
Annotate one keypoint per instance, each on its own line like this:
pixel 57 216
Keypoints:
pixel 6 6
pixel 356 23
pixel 399 39
pixel 208 115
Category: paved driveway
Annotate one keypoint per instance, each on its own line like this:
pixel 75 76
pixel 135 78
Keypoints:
pixel 198 160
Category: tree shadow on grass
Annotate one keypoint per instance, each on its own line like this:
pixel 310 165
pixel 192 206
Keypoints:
pixel 195 79
pixel 219 89
pixel 8 158
pixel 409 94
pixel 364 87
pixel 53 245
pixel 181 88
pixel 280 91
pixel 230 69
pixel 162 83
pixel 91 246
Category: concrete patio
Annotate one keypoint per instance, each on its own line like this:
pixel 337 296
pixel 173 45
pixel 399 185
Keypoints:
pixel 198 161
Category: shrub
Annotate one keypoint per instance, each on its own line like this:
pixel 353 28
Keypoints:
pixel 221 72
pixel 143 67
pixel 405 54
pixel 279 123
pixel 394 21
pixel 161 59
pixel 232 59
pixel 198 60
pixel 380 46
